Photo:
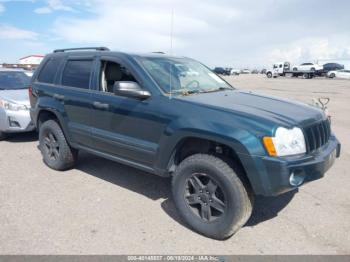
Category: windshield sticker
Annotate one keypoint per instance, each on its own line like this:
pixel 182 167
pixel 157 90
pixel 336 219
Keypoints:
pixel 216 78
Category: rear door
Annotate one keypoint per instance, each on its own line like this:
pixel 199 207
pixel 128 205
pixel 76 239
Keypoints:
pixel 75 94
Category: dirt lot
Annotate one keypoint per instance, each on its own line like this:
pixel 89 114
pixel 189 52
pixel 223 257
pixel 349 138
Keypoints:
pixel 103 207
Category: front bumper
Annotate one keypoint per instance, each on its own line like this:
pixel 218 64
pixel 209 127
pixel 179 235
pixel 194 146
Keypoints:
pixel 15 121
pixel 311 167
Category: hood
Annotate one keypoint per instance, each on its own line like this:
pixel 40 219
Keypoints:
pixel 279 111
pixel 20 96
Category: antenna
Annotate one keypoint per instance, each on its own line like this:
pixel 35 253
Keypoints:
pixel 171 46
pixel 171 30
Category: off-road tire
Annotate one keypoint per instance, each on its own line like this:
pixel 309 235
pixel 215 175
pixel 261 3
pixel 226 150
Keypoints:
pixel 332 75
pixel 238 199
pixel 66 157
pixel 2 136
pixel 269 75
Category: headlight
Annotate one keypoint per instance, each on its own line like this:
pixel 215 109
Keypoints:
pixel 12 106
pixel 286 142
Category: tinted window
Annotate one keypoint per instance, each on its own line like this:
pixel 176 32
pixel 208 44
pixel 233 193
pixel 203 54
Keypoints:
pixel 13 80
pixel 48 72
pixel 77 73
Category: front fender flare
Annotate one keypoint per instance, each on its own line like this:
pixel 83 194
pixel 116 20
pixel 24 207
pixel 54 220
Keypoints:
pixel 248 148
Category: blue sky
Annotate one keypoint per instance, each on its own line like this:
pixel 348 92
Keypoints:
pixel 27 27
pixel 224 32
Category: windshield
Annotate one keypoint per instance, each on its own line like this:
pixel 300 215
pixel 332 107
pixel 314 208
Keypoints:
pixel 183 75
pixel 13 80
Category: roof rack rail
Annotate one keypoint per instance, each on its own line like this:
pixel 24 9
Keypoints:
pixel 159 52
pixel 82 48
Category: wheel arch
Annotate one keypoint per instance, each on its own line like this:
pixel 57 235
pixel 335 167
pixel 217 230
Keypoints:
pixel 229 151
pixel 45 114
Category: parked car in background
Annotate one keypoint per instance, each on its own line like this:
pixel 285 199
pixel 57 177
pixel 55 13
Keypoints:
pixel 344 73
pixel 235 72
pixel 29 73
pixel 332 67
pixel 220 71
pixel 14 102
pixel 245 71
pixel 308 67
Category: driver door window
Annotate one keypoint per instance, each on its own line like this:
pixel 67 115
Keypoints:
pixel 110 73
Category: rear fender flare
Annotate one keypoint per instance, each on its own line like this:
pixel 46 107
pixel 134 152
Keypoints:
pixel 56 108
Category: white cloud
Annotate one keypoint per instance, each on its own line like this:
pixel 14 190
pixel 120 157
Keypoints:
pixel 2 8
pixel 43 10
pixel 53 5
pixel 8 32
pixel 313 49
pixel 238 33
pixel 141 26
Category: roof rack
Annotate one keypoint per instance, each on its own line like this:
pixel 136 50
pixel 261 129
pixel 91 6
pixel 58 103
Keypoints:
pixel 82 48
pixel 159 52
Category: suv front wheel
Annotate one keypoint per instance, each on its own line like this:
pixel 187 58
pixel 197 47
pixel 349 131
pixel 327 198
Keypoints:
pixel 2 136
pixel 210 196
pixel 56 152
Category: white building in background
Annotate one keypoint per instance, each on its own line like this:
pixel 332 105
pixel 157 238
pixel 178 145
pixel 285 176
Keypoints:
pixel 31 60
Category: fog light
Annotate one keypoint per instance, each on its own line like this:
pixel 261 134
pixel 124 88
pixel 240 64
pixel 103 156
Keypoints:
pixel 296 179
pixel 13 122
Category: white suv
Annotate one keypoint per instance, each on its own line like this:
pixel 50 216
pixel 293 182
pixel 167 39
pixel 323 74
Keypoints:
pixel 308 67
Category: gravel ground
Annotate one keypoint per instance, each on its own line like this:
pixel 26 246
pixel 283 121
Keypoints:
pixel 102 207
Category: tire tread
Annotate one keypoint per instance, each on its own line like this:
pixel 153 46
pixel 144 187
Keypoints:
pixel 236 182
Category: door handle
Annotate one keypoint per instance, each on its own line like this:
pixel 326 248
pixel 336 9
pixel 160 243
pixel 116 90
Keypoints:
pixel 58 97
pixel 100 105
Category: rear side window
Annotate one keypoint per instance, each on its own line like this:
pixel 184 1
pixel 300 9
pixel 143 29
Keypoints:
pixel 77 73
pixel 48 72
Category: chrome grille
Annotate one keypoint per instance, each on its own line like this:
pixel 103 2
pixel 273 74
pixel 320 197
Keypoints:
pixel 317 135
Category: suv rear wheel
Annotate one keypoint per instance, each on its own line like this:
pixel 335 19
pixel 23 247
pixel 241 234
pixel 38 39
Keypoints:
pixel 210 196
pixel 56 152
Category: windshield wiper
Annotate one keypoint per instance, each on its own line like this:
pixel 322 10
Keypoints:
pixel 217 90
pixel 185 92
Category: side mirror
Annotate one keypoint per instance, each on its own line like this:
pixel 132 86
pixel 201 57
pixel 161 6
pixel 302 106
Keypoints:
pixel 130 89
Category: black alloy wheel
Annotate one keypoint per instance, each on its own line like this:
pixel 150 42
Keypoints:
pixel 204 197
pixel 52 146
pixel 56 152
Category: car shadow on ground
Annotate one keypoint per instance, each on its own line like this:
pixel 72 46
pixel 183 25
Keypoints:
pixel 266 208
pixel 22 137
pixel 151 186
pixel 154 187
